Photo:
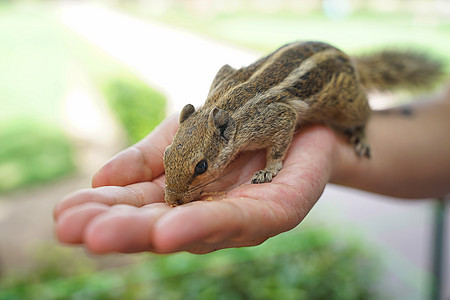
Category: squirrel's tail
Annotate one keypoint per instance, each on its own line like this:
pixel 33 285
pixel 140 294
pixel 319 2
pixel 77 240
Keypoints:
pixel 391 69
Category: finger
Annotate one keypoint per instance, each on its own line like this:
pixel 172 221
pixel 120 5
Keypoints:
pixel 187 227
pixel 309 161
pixel 124 228
pixel 141 162
pixel 137 194
pixel 72 222
pixel 224 223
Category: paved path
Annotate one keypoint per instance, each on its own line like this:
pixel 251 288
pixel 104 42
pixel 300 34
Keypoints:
pixel 180 63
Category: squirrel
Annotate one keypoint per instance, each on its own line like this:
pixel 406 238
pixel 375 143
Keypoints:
pixel 261 106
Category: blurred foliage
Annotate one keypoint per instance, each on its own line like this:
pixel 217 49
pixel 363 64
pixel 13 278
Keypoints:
pixel 138 107
pixel 32 152
pixel 312 263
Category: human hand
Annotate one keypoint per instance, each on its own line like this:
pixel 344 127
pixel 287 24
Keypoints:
pixel 125 210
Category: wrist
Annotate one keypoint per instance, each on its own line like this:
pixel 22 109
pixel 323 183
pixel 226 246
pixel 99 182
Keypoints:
pixel 344 162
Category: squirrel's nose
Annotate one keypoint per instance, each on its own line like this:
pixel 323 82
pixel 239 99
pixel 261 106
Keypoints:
pixel 175 202
pixel 172 198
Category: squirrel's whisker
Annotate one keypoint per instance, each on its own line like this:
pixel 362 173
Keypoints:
pixel 195 188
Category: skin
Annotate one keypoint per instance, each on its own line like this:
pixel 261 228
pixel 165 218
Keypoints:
pixel 125 210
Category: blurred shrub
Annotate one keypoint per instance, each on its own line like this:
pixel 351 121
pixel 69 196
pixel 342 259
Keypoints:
pixel 314 263
pixel 32 152
pixel 138 107
pixel 51 262
pixel 311 264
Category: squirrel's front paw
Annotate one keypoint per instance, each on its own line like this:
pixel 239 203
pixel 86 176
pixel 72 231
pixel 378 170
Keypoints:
pixel 271 170
pixel 262 176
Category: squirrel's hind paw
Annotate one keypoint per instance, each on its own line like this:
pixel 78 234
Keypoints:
pixel 362 149
pixel 358 139
pixel 361 146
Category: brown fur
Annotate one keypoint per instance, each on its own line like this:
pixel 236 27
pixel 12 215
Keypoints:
pixel 394 69
pixel 260 106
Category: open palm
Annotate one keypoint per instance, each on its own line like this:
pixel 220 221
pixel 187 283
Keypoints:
pixel 125 209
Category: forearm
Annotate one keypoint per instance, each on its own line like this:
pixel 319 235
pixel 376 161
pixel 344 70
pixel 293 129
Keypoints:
pixel 411 152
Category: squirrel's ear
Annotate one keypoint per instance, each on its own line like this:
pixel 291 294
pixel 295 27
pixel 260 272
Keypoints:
pixel 188 110
pixel 222 121
pixel 223 73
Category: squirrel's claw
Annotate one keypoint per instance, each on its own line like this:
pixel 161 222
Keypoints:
pixel 262 176
pixel 272 168
pixel 358 139
pixel 362 149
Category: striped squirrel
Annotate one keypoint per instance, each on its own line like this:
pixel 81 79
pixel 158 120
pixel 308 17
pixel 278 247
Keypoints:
pixel 260 107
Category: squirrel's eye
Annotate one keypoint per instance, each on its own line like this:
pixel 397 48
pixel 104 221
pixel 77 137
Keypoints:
pixel 201 167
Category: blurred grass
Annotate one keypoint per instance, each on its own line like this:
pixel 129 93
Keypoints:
pixel 32 84
pixel 314 263
pixel 32 152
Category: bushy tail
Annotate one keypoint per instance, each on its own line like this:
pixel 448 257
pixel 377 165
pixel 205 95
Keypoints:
pixel 393 69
